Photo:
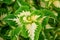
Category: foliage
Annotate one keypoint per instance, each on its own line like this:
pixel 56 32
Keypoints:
pixel 30 19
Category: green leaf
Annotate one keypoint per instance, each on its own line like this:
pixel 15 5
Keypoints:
pixel 41 37
pixel 14 38
pixel 8 1
pixel 48 13
pixel 16 6
pixel 15 33
pixel 10 16
pixel 22 8
pixel 37 31
pixel 10 20
pixel 45 21
pixel 24 32
pixel 22 2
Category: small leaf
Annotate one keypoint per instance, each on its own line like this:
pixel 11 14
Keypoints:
pixel 48 13
pixel 45 21
pixel 15 33
pixel 24 32
pixel 9 19
pixel 37 31
pixel 22 8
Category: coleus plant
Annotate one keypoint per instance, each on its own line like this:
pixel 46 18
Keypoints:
pixel 26 20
